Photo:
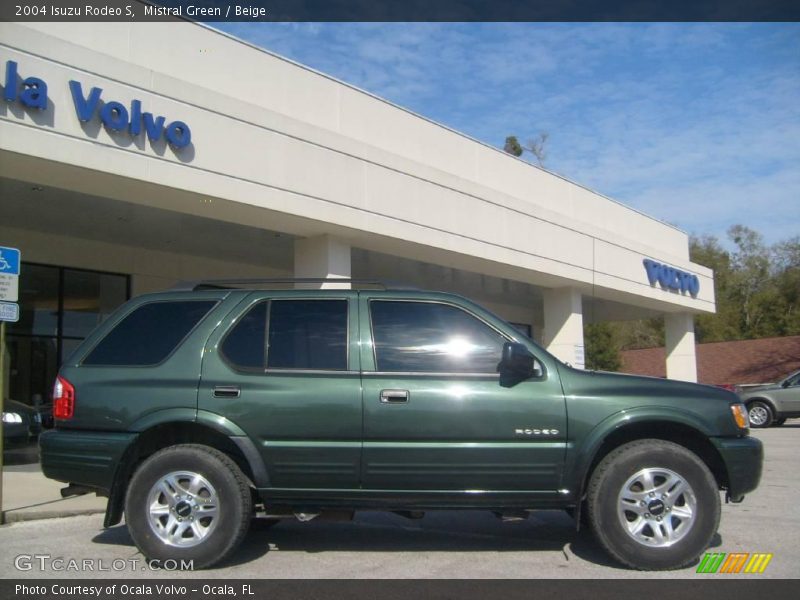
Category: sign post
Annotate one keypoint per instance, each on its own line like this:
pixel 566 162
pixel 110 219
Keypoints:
pixel 2 413
pixel 9 311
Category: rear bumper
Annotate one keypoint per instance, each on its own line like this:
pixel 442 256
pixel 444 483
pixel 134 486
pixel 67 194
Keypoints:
pixel 85 458
pixel 743 458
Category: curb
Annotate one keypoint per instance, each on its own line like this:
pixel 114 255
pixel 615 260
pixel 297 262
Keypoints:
pixel 11 516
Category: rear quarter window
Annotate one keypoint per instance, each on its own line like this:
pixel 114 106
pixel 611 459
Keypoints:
pixel 149 334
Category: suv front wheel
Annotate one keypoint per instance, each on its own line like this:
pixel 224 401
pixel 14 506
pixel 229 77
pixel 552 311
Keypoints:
pixel 188 503
pixel 653 505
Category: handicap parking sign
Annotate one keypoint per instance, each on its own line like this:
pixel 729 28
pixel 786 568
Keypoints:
pixel 9 261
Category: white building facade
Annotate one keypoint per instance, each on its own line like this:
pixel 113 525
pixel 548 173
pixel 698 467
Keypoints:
pixel 161 152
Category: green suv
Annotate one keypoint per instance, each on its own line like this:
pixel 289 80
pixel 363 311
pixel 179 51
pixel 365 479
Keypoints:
pixel 196 410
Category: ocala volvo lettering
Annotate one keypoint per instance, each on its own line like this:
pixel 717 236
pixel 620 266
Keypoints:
pixel 116 116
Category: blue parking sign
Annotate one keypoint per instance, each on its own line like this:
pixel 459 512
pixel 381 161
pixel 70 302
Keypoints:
pixel 9 261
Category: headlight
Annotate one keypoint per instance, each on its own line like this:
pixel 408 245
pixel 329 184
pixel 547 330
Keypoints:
pixel 9 417
pixel 740 415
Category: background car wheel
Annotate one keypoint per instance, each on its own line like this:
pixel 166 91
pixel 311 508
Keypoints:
pixel 760 414
pixel 188 502
pixel 778 422
pixel 653 505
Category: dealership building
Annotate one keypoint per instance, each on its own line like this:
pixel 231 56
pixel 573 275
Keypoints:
pixel 137 155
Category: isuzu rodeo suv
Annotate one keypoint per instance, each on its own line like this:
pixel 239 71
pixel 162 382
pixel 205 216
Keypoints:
pixel 196 410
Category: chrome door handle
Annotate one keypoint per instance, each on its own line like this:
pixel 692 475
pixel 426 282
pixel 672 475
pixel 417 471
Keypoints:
pixel 227 391
pixel 394 396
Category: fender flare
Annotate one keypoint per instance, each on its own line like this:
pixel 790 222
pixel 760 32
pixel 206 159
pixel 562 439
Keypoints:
pixel 578 471
pixel 218 423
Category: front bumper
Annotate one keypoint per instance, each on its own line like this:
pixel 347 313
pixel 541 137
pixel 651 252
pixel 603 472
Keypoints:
pixel 744 459
pixel 82 457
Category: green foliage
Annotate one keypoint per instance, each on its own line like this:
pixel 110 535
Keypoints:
pixel 786 264
pixel 536 147
pixel 513 146
pixel 642 333
pixel 602 347
pixel 757 286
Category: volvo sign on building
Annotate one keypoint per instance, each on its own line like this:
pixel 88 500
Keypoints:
pixel 135 155
pixel 31 92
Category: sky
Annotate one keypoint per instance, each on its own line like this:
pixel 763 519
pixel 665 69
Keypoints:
pixel 695 124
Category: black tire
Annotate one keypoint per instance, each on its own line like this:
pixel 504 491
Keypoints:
pixel 609 479
pixel 764 414
pixel 234 506
pixel 778 422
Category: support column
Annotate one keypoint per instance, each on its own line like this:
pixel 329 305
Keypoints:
pixel 563 325
pixel 681 359
pixel 322 256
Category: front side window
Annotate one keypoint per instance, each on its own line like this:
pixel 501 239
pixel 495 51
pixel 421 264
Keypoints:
pixel 424 337
pixel 794 380
pixel 149 334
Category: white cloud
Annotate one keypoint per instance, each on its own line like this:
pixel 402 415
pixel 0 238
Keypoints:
pixel 696 124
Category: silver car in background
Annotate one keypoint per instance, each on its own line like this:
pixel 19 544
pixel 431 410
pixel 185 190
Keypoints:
pixel 773 403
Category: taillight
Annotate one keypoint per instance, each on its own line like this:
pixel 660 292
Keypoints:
pixel 63 399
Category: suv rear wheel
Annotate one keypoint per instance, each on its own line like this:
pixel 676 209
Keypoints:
pixel 653 505
pixel 188 502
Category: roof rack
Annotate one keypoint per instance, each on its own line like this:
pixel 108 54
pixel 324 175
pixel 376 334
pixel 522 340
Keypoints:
pixel 283 283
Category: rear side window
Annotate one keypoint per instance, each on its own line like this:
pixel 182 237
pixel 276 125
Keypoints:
pixel 308 334
pixel 245 346
pixel 149 334
pixel 303 334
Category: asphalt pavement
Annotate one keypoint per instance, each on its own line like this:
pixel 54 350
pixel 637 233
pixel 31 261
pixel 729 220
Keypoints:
pixel 447 544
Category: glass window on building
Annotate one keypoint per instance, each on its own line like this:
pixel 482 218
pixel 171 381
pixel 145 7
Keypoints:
pixel 59 307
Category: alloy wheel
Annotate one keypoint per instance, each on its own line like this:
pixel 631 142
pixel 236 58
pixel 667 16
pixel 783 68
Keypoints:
pixel 183 508
pixel 657 507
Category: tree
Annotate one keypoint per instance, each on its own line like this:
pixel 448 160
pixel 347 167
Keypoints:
pixel 750 286
pixel 601 346
pixel 723 325
pixel 642 333
pixel 536 146
pixel 786 264
pixel 757 287
pixel 513 146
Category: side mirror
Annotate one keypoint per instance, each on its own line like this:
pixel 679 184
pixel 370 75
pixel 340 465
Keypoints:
pixel 516 364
